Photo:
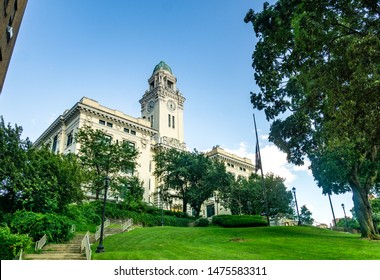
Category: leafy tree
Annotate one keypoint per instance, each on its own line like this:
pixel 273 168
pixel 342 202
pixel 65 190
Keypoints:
pixel 170 169
pixel 131 190
pixel 35 179
pixel 13 161
pixel 246 196
pixel 305 216
pixel 317 66
pixel 191 177
pixel 206 176
pixel 52 181
pixel 102 157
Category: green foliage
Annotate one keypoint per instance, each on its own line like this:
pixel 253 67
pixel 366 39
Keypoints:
pixel 11 244
pixel 305 216
pixel 144 215
pixel 102 157
pixel 35 179
pixel 56 227
pixel 317 68
pixel 245 196
pixel 239 221
pixel 351 224
pixel 13 159
pixel 192 177
pixel 202 222
pixel 85 216
pixel 54 181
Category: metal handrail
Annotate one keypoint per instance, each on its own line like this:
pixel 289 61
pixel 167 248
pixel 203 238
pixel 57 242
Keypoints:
pixel 98 229
pixel 40 243
pixel 86 245
pixel 127 224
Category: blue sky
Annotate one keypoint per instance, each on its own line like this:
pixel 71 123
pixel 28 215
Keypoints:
pixel 106 50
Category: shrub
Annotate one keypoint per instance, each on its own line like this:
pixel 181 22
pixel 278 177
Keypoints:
pixel 56 227
pixel 11 244
pixel 202 222
pixel 239 221
pixel 85 216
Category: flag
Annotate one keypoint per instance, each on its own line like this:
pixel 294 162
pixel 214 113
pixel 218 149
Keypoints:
pixel 258 165
pixel 257 158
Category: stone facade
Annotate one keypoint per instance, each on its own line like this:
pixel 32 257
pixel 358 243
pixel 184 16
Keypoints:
pixel 160 124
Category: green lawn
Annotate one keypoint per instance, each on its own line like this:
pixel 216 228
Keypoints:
pixel 216 243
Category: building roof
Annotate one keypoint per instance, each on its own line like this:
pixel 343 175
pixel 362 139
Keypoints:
pixel 162 66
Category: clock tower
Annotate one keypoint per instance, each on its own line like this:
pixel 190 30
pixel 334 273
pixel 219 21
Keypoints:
pixel 162 106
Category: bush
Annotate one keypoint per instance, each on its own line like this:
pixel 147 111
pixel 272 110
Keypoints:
pixel 56 227
pixel 202 222
pixel 85 216
pixel 11 244
pixel 239 221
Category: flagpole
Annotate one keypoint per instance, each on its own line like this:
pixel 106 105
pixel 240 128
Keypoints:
pixel 258 155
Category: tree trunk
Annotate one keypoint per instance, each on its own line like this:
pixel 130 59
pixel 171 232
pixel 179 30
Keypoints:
pixel 363 211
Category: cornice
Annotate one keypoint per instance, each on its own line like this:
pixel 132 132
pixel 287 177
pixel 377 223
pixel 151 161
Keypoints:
pixel 116 119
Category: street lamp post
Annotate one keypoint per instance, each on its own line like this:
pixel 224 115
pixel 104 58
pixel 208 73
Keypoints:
pixel 100 248
pixel 162 208
pixel 295 199
pixel 345 217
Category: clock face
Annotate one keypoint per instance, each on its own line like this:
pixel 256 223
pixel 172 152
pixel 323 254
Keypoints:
pixel 171 105
pixel 150 106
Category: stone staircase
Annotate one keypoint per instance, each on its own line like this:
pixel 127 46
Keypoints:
pixel 71 249
pixel 64 251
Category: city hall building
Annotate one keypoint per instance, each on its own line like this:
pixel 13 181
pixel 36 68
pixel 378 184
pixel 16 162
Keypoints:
pixel 160 125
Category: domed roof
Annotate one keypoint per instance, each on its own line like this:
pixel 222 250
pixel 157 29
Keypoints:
pixel 162 66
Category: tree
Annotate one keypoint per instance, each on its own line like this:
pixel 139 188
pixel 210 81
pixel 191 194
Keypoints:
pixel 170 169
pixel 52 181
pixel 189 176
pixel 102 157
pixel 305 216
pixel 246 196
pixel 13 161
pixel 35 179
pixel 206 176
pixel 317 66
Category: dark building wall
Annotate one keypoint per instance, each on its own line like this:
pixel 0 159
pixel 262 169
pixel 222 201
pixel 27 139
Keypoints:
pixel 11 13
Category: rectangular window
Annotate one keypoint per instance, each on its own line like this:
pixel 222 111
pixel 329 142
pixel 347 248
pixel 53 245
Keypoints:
pixel 102 122
pixel 151 121
pixel 126 130
pixel 131 144
pixel 169 120
pixel 173 121
pixel 55 142
pixel 69 139
pixel 133 132
pixel 109 124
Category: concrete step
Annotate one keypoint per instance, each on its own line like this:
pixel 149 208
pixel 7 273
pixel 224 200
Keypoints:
pixel 65 256
pixel 61 246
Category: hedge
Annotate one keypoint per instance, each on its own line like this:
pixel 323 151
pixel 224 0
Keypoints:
pixel 239 221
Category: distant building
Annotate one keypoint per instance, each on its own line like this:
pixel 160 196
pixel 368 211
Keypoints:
pixel 160 125
pixel 11 14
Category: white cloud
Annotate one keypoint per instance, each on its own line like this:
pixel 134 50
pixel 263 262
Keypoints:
pixel 273 160
pixel 304 167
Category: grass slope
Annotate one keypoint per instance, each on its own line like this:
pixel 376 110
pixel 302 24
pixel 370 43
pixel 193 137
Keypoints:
pixel 216 243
